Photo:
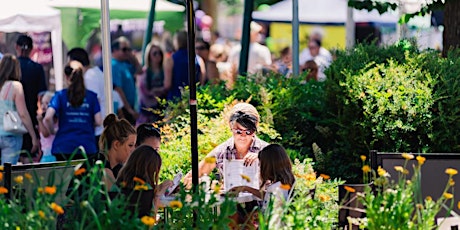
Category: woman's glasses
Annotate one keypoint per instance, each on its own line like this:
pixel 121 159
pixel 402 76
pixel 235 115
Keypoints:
pixel 240 132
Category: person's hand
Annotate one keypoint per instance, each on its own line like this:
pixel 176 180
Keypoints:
pixel 250 158
pixel 236 190
pixel 35 145
pixel 188 180
pixel 163 186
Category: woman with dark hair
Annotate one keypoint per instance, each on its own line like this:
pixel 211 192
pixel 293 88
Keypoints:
pixel 142 172
pixel 12 96
pixel 150 85
pixel 116 143
pixel 275 172
pixel 78 112
pixel 147 134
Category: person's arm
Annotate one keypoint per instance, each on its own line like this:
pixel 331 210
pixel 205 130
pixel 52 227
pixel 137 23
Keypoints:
pixel 168 71
pixel 125 101
pixel 203 168
pixel 20 102
pixel 212 72
pixel 97 119
pixel 108 178
pixel 141 84
pixel 48 121
pixel 202 70
pixel 41 126
pixel 135 62
pixel 253 191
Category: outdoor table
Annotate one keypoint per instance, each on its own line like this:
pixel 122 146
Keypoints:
pixel 243 197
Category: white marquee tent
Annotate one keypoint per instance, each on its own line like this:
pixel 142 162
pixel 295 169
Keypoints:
pixel 35 16
pixel 326 12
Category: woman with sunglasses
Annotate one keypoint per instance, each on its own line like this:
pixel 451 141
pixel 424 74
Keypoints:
pixel 244 144
pixel 150 85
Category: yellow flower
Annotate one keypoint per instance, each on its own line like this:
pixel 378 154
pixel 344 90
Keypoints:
pixel 210 160
pixel 1 176
pixel 285 186
pixel 349 189
pixel 363 158
pixel 79 171
pixel 56 208
pixel 310 176
pixel 381 171
pixel 420 160
pixel 175 204
pixel 458 205
pixel 451 171
pixel 451 182
pixel 41 214
pixel 448 195
pixel 138 180
pixel 324 198
pixel 3 190
pixel 366 168
pixel 324 176
pixel 428 198
pixel 28 176
pixel 141 187
pixel 399 168
pixel 407 156
pixel 19 179
pixel 245 177
pixel 148 220
pixel 50 190
pixel 1 168
pixel 216 188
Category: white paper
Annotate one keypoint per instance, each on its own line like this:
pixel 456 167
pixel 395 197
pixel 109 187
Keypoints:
pixel 448 223
pixel 235 171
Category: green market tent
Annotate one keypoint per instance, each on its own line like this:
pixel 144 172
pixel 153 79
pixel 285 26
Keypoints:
pixel 80 17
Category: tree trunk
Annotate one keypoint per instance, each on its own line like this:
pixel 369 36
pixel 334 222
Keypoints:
pixel 210 8
pixel 451 35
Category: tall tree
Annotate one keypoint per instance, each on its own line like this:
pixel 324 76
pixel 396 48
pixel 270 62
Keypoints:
pixel 451 8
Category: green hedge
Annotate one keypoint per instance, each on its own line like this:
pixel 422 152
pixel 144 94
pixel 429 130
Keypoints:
pixel 393 98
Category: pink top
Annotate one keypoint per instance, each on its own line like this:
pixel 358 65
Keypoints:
pixel 46 142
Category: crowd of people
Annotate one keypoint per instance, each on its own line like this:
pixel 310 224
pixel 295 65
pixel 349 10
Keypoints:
pixel 71 123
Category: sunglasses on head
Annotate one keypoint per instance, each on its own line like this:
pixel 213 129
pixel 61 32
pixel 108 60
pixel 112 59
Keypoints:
pixel 125 49
pixel 240 132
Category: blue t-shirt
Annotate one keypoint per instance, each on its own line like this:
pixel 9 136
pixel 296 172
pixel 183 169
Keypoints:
pixel 76 124
pixel 123 77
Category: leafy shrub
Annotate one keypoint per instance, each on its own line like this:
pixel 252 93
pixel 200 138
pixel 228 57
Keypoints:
pixel 399 204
